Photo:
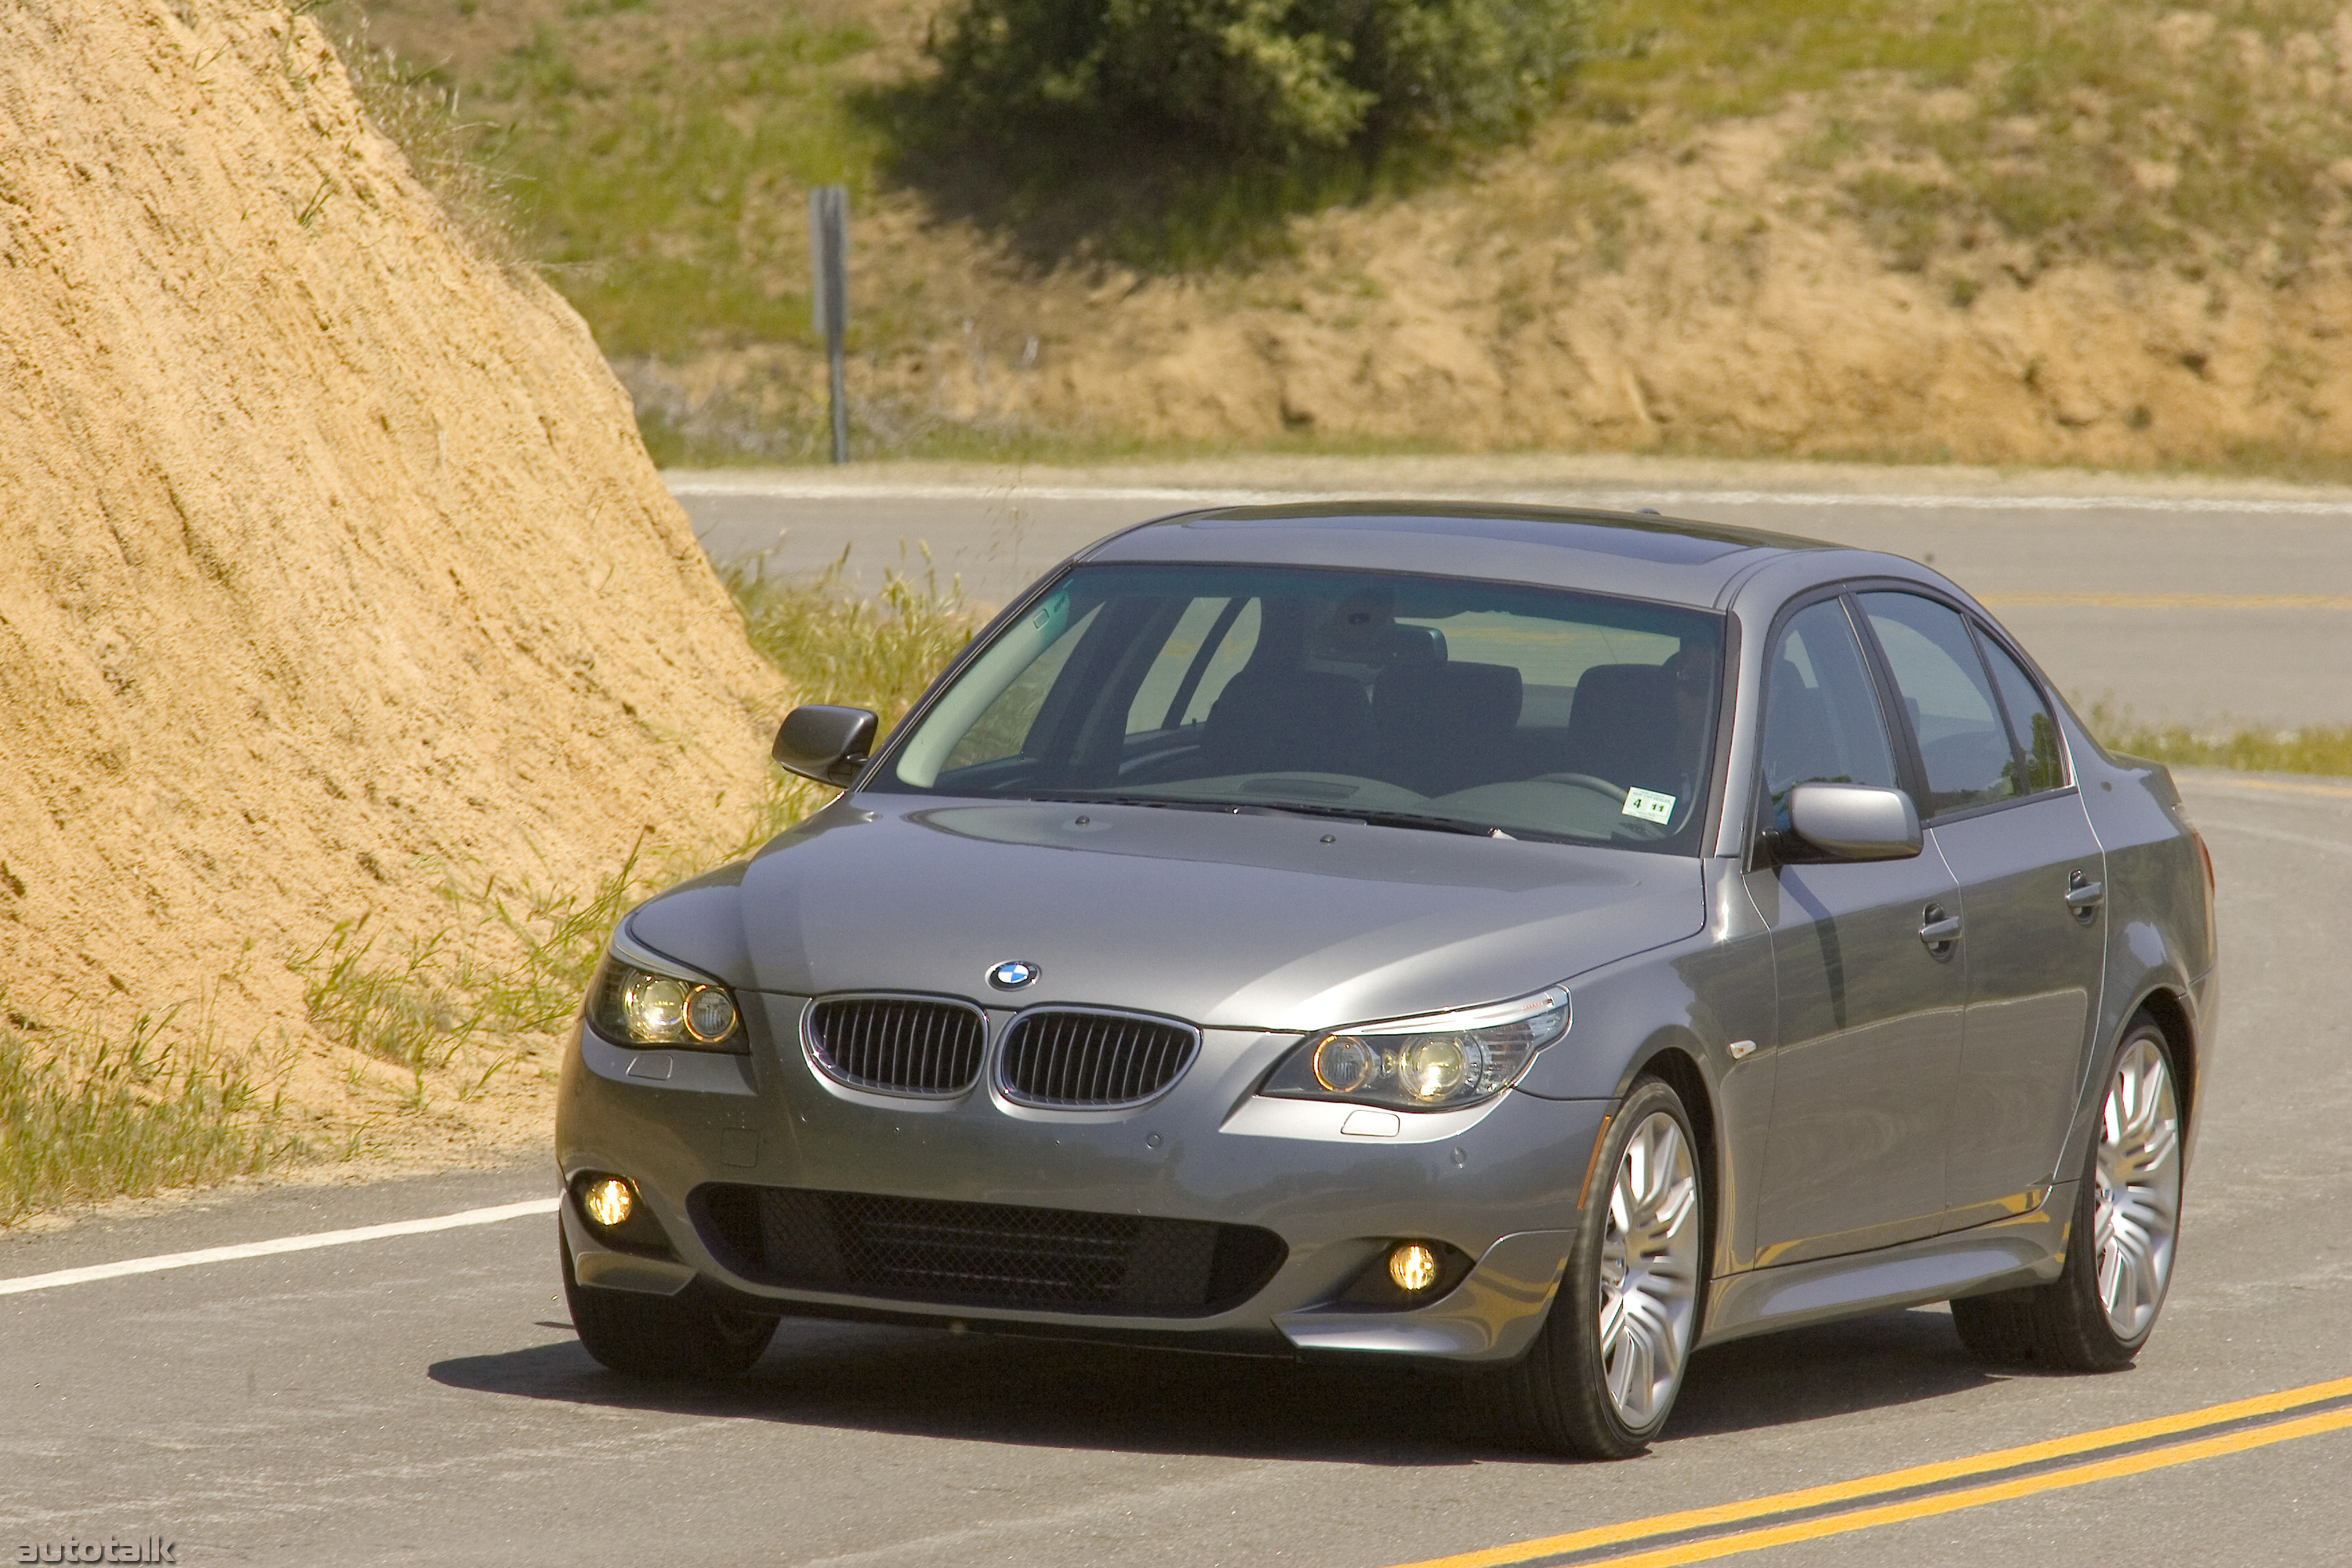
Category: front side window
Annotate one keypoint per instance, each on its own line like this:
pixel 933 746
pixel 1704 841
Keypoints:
pixel 1962 739
pixel 1539 712
pixel 1821 719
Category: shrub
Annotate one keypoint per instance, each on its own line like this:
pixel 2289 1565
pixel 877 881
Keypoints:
pixel 1258 77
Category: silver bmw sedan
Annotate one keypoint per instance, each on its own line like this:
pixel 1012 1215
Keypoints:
pixel 1542 941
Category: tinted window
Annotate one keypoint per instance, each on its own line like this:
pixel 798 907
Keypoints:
pixel 1007 720
pixel 1212 643
pixel 1822 722
pixel 1943 685
pixel 2030 720
pixel 1536 710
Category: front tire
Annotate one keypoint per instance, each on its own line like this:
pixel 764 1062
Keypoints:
pixel 2100 1310
pixel 672 1337
pixel 1601 1377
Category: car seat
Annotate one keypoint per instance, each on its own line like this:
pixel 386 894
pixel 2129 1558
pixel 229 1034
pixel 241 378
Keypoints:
pixel 1443 727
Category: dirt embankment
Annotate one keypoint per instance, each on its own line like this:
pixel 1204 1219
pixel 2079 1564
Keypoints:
pixel 1874 268
pixel 333 564
pixel 1725 310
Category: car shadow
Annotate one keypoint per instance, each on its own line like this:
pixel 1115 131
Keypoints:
pixel 1037 1392
pixel 1830 1370
pixel 1013 1390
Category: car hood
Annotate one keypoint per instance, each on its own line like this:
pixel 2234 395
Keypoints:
pixel 1229 920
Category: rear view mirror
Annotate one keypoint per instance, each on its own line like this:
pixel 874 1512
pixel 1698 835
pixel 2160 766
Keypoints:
pixel 1856 822
pixel 826 743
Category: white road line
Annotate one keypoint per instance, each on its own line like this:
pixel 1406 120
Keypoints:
pixel 1624 500
pixel 2270 786
pixel 271 1248
pixel 2269 833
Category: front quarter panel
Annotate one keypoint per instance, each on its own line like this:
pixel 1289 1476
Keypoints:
pixel 1678 1011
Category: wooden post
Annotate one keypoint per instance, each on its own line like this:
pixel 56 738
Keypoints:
pixel 829 295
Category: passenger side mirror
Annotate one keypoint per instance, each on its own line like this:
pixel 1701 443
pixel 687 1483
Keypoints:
pixel 1856 822
pixel 826 743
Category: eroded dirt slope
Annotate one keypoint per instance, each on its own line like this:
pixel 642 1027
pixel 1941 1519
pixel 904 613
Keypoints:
pixel 333 562
pixel 2106 234
pixel 1721 305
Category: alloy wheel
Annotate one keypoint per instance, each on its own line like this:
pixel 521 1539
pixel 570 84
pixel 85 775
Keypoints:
pixel 2139 1173
pixel 1649 1270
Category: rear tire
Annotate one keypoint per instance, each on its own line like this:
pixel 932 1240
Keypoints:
pixel 1601 1377
pixel 681 1336
pixel 2100 1310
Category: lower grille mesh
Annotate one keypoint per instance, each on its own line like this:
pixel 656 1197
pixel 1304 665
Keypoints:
pixel 904 1043
pixel 1000 1255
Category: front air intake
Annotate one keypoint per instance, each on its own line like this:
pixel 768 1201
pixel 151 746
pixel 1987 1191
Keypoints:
pixel 1066 1058
pixel 898 1044
pixel 945 1253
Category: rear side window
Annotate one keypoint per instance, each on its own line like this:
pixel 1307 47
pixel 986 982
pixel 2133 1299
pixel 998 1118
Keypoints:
pixel 1821 721
pixel 2029 720
pixel 1962 739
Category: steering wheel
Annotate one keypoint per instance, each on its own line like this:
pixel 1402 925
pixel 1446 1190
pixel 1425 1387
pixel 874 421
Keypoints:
pixel 1594 782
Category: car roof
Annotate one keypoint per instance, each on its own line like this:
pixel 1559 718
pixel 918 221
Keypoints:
pixel 1640 554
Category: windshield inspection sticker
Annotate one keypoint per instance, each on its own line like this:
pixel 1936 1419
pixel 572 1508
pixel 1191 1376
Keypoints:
pixel 1648 805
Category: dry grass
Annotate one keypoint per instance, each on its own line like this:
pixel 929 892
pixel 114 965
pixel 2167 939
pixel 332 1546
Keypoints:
pixel 100 1110
pixel 462 162
pixel 493 991
pixel 93 1109
pixel 2320 749
pixel 659 151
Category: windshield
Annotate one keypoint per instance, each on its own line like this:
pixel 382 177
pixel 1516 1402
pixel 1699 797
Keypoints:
pixel 1423 702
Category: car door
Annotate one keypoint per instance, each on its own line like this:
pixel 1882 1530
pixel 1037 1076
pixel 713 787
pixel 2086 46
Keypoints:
pixel 2008 823
pixel 1869 1013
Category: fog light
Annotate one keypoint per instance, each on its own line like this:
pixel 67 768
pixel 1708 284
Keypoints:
pixel 609 1202
pixel 1413 1267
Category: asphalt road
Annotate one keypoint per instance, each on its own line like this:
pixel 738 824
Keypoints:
pixel 2197 607
pixel 422 1399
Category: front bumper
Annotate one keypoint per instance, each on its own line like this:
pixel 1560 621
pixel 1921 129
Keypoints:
pixel 1498 1182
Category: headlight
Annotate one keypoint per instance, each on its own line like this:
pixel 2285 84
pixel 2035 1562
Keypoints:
pixel 633 1004
pixel 1437 1062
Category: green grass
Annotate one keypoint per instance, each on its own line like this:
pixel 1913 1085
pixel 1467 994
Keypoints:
pixel 94 1110
pixel 2320 749
pixel 487 992
pixel 457 159
pixel 510 966
pixel 2064 110
pixel 654 157
pixel 100 1109
pixel 669 201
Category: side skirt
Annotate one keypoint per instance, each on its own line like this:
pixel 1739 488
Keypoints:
pixel 2025 1250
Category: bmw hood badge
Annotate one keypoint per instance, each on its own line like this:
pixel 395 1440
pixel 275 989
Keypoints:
pixel 1013 974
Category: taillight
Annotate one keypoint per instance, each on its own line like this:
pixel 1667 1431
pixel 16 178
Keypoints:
pixel 2212 932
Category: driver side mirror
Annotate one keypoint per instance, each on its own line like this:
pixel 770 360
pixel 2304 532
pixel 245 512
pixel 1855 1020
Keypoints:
pixel 827 743
pixel 1854 822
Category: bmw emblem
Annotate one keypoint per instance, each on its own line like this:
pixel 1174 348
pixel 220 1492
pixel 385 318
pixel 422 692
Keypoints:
pixel 1013 974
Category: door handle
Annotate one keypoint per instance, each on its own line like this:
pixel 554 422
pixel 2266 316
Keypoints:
pixel 1939 930
pixel 2084 896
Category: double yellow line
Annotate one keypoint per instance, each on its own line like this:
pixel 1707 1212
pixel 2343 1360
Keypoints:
pixel 2255 1422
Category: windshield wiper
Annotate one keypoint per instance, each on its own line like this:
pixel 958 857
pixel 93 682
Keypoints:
pixel 1177 803
pixel 1367 815
pixel 1374 818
